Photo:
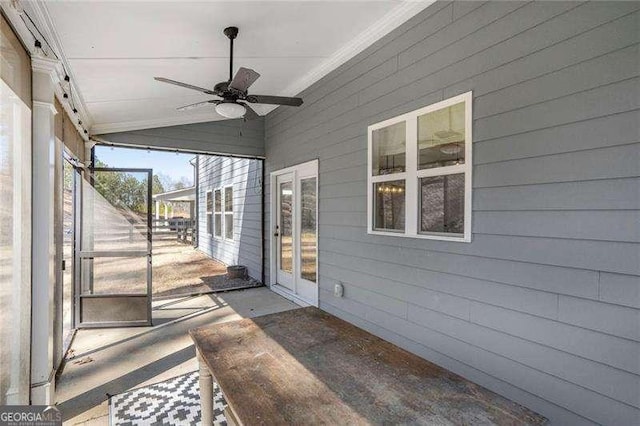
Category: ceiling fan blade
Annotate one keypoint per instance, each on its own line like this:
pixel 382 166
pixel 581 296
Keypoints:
pixel 185 85
pixel 196 105
pixel 250 114
pixel 244 78
pixel 274 100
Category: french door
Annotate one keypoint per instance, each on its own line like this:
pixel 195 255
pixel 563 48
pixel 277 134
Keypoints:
pixel 294 240
pixel 113 248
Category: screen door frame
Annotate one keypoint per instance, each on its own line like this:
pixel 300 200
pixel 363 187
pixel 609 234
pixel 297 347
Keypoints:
pixel 116 300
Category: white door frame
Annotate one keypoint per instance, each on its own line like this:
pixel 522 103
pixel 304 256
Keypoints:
pixel 299 171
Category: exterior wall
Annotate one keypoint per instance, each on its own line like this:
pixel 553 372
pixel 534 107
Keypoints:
pixel 246 177
pixel 227 137
pixel 543 305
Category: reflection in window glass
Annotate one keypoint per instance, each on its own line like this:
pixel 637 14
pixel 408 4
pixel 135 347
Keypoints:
pixel 286 227
pixel 217 217
pixel 218 202
pixel 217 224
pixel 389 146
pixel 441 137
pixel 209 213
pixel 228 226
pixel 308 243
pixel 442 204
pixel 389 205
pixel 228 199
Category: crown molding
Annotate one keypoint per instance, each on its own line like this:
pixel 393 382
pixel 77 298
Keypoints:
pixel 47 66
pixel 128 126
pixel 40 13
pixel 373 33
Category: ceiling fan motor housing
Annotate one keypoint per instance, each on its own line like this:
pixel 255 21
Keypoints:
pixel 231 32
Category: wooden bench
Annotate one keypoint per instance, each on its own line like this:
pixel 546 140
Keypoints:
pixel 306 366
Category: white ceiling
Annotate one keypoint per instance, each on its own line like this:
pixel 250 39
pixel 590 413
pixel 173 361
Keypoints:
pixel 114 50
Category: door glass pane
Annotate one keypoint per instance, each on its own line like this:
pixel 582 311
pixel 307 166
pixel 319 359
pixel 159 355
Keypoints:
pixel 389 205
pixel 442 204
pixel 308 223
pixel 389 146
pixel 441 137
pixel 286 226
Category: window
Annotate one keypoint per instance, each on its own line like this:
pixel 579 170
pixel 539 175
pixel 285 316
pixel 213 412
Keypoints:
pixel 228 212
pixel 209 213
pixel 223 213
pixel 420 172
pixel 217 213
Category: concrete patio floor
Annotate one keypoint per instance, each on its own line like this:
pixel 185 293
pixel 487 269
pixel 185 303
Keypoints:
pixel 111 361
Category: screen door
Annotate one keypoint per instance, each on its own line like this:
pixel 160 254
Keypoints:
pixel 113 251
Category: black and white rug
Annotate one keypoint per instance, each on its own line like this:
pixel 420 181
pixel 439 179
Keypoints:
pixel 173 402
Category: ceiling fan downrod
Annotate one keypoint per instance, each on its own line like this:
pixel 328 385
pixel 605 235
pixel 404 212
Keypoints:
pixel 231 33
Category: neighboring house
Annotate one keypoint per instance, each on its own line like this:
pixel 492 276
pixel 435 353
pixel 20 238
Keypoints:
pixel 229 192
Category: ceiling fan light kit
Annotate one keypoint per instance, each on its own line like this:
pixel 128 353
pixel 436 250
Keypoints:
pixel 230 110
pixel 234 91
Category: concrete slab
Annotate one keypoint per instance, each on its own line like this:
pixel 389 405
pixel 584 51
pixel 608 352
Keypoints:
pixel 112 361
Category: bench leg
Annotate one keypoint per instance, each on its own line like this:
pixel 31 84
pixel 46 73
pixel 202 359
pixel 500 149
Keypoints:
pixel 206 392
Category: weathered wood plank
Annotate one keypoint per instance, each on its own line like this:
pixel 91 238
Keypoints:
pixel 308 367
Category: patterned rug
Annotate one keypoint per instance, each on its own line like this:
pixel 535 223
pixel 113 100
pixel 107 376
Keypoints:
pixel 173 402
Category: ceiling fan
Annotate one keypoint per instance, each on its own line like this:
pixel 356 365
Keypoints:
pixel 234 91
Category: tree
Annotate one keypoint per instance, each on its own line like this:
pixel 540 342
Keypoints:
pixel 123 190
pixel 156 185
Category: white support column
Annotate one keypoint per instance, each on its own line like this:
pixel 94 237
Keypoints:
pixel 157 209
pixel 166 211
pixel 43 252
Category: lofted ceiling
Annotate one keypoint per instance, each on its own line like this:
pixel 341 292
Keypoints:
pixel 114 49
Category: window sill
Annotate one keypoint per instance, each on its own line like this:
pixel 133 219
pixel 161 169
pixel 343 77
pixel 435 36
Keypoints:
pixel 463 239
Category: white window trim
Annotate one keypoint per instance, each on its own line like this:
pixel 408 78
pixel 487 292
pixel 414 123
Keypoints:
pixel 412 174
pixel 221 213
pixel 225 213
pixel 208 212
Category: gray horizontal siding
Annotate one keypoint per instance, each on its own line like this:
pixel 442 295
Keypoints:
pixel 246 177
pixel 542 306
pixel 227 137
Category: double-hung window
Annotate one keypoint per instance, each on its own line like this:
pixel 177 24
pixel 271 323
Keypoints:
pixel 209 213
pixel 223 213
pixel 420 172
